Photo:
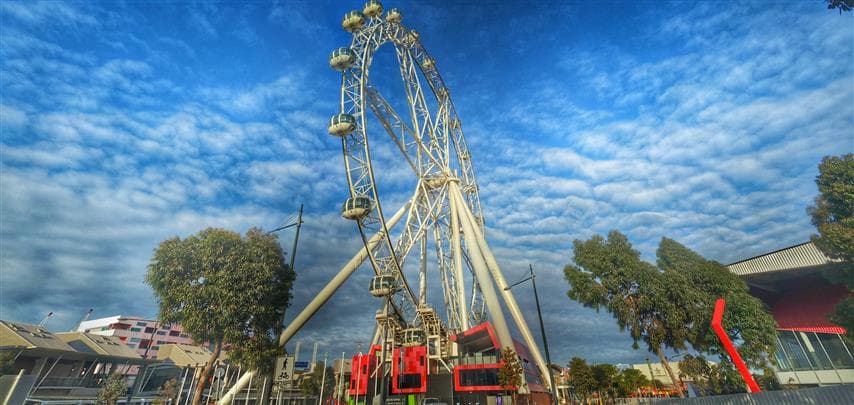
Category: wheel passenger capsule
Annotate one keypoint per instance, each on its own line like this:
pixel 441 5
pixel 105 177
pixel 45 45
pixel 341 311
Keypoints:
pixel 342 124
pixel 373 9
pixel 412 37
pixel 353 21
pixel 341 59
pixel 394 15
pixel 356 208
pixel 382 286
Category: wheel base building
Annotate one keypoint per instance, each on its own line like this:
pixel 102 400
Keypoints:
pixel 793 282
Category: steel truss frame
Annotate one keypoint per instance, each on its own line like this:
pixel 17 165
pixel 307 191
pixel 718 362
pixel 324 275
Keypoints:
pixel 445 206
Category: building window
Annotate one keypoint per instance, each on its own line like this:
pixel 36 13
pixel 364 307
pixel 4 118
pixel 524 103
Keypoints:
pixel 184 335
pixel 144 343
pixel 174 333
pixel 141 324
pixel 794 351
pixel 836 350
pixel 134 340
pixel 135 329
pixel 161 332
pixel 149 330
pixel 155 348
pixel 479 377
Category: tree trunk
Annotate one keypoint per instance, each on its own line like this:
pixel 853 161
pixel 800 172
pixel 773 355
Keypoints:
pixel 666 365
pixel 202 382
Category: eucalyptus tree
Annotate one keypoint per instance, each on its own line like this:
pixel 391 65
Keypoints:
pixel 654 307
pixel 225 289
pixel 833 216
pixel 746 320
pixel 629 380
pixel 581 377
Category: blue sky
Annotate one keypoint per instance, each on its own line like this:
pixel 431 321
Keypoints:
pixel 124 124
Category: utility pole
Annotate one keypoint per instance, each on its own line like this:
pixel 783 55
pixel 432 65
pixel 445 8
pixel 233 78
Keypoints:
pixel 533 278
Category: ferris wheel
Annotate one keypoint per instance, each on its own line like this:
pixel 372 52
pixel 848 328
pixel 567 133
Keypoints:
pixel 443 211
pixel 429 138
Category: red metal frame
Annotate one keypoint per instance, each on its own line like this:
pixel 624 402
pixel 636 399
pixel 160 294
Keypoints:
pixel 717 317
pixel 361 376
pixel 414 362
pixel 472 388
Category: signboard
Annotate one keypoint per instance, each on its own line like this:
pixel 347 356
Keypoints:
pixel 284 368
pixel 302 365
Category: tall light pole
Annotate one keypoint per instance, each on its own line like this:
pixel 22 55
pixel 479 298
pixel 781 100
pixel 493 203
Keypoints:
pixel 533 278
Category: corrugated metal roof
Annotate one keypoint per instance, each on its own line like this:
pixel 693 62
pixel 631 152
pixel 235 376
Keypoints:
pixel 790 258
pixel 26 336
pixel 184 355
pixel 107 345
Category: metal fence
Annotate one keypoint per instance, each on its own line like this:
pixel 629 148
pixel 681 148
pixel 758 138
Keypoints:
pixel 838 394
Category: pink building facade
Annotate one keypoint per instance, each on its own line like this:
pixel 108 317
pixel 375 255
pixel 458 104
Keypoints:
pixel 143 335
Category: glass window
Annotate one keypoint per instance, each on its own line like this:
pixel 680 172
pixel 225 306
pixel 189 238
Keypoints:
pixel 140 324
pixel 134 340
pixel 161 332
pixel 796 355
pixel 783 363
pixel 836 350
pixel 135 329
pixel 481 377
pixel 174 333
pixel 155 348
pixel 814 350
pixel 149 330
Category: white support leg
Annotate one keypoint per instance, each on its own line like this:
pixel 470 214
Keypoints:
pixel 509 299
pixel 486 285
pixel 456 251
pixel 318 301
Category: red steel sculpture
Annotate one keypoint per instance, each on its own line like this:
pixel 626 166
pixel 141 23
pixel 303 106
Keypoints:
pixel 730 348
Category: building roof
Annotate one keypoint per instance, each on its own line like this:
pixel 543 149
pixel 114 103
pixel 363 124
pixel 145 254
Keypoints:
pixel 98 344
pixel 26 336
pixel 802 256
pixel 184 355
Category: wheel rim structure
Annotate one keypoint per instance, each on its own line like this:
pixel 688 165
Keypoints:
pixel 444 207
pixel 433 144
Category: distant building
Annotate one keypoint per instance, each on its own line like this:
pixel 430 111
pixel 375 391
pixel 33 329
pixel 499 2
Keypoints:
pixel 70 367
pixel 144 335
pixel 47 367
pixel 791 281
pixel 654 371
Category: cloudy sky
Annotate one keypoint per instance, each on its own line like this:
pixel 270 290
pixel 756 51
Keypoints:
pixel 124 124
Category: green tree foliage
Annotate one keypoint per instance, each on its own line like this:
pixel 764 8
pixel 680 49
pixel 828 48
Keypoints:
pixel 841 5
pixel 716 379
pixel 610 274
pixel 224 289
pixel 628 381
pixel 746 318
pixel 510 373
pixel 167 392
pixel 311 383
pixel 833 216
pixel 605 376
pixel 114 387
pixel 581 377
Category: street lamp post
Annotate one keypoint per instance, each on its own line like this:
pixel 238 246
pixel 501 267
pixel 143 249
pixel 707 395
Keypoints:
pixel 533 279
